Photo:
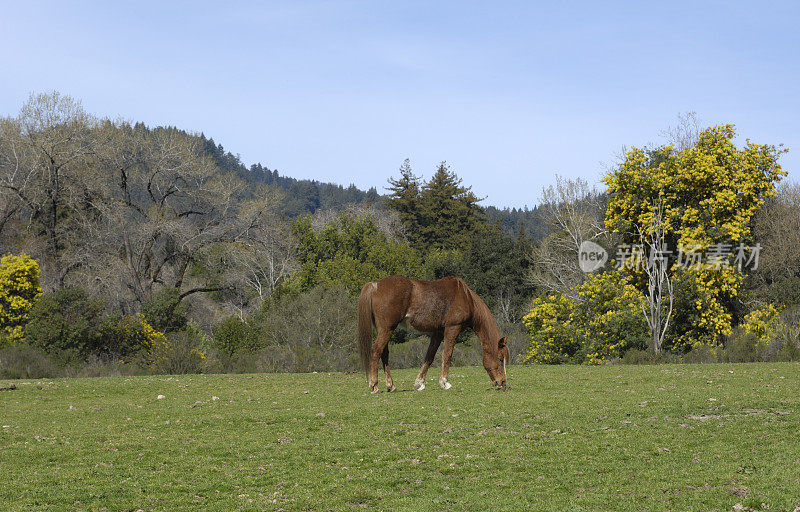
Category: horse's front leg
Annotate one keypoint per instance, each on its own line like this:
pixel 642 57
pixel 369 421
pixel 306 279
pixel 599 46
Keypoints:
pixel 450 335
pixel 436 339
pixel 378 347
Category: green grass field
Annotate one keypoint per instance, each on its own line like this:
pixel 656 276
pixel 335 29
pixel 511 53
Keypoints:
pixel 669 437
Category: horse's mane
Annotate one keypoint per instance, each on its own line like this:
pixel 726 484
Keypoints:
pixel 483 322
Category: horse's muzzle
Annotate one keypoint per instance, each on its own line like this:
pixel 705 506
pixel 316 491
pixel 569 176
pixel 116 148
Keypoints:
pixel 501 386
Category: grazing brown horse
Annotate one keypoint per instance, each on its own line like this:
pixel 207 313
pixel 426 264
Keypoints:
pixel 440 309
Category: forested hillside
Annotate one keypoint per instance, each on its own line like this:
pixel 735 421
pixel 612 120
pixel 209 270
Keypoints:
pixel 133 249
pixel 308 196
pixel 134 239
pixel 300 196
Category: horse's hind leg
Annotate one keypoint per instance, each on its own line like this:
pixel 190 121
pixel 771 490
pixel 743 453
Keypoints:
pixel 436 339
pixel 385 358
pixel 377 351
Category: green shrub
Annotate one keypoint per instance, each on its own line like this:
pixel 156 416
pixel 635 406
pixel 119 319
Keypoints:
pixel 241 361
pixel 104 366
pixel 275 360
pixel 702 354
pixel 7 339
pixel 66 324
pixel 788 351
pixel 637 356
pixel 123 335
pixel 785 344
pixel 182 353
pixel 165 311
pixel 742 346
pixel 233 335
pixel 441 263
pixel 348 251
pixel 318 327
pixel 25 362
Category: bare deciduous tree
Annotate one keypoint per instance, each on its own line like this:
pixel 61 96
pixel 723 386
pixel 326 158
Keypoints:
pixel 685 134
pixel 124 211
pixel 387 221
pixel 776 226
pixel 574 211
pixel 167 213
pixel 170 207
pixel 253 266
pixel 44 172
pixel 505 307
pixel 659 283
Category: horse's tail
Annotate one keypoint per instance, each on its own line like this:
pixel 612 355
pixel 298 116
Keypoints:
pixel 365 324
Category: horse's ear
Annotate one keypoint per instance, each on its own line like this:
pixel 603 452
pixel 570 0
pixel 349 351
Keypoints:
pixel 501 343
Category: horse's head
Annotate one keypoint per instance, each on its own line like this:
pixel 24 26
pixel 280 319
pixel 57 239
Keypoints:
pixel 496 368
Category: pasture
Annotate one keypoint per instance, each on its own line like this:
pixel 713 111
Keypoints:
pixel 571 438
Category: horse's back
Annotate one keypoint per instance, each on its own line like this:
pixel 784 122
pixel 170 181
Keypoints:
pixel 447 288
pixel 395 286
pixel 424 306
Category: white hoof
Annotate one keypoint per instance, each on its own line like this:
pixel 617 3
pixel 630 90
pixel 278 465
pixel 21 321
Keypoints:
pixel 444 384
pixel 419 385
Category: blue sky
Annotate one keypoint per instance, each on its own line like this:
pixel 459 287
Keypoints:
pixel 509 93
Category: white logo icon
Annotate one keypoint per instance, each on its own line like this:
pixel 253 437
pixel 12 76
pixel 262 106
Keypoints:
pixel 591 256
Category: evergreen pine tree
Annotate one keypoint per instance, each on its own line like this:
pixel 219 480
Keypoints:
pixel 449 212
pixel 405 199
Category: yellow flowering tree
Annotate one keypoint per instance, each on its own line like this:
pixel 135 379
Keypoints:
pixel 553 329
pixel 19 289
pixel 702 312
pixel 612 316
pixel 602 325
pixel 709 192
pixel 762 323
